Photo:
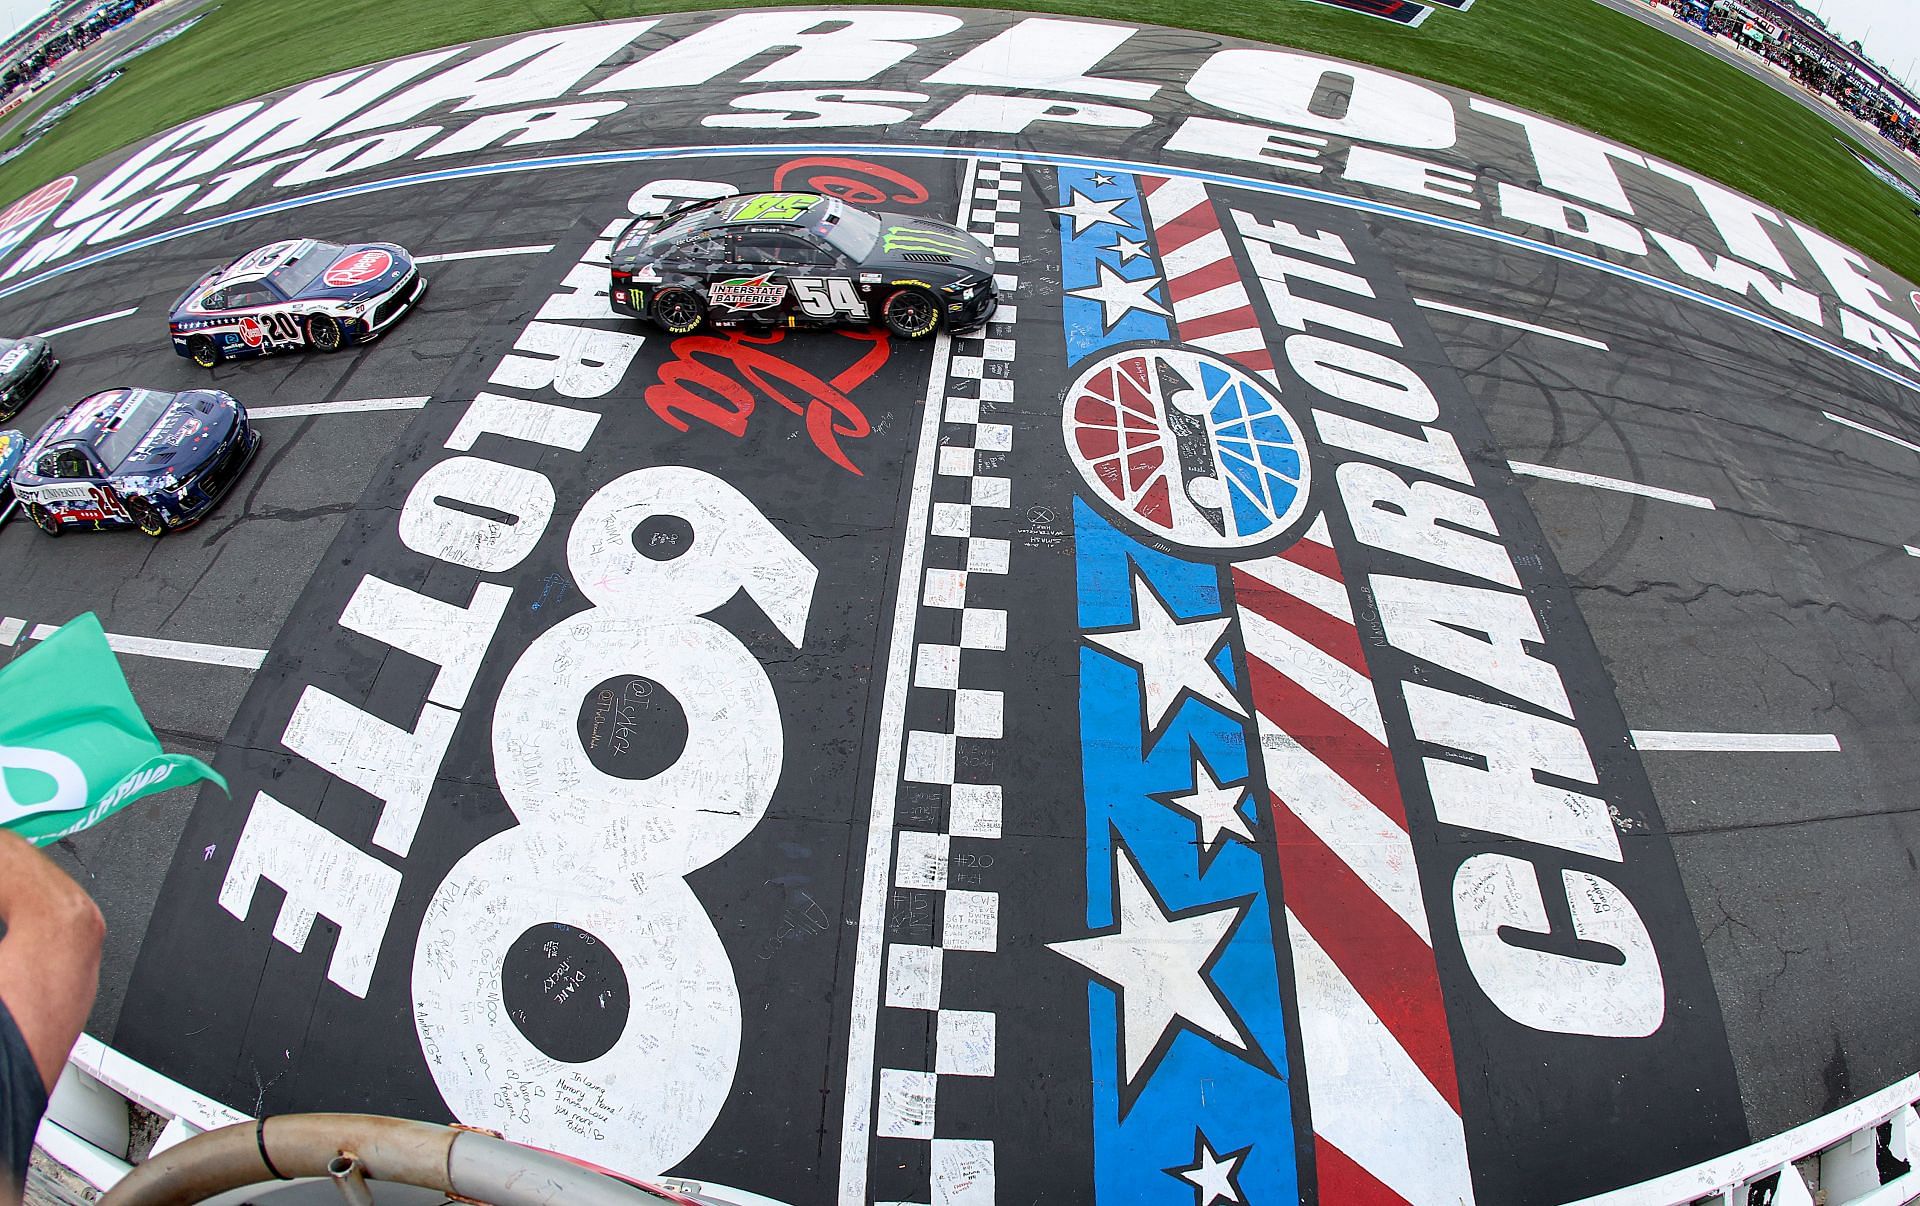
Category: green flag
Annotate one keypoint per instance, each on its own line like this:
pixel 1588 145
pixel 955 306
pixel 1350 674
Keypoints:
pixel 74 748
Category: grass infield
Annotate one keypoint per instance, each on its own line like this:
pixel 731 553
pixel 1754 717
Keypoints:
pixel 1575 60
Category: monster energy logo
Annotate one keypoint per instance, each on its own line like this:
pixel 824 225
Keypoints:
pixel 910 238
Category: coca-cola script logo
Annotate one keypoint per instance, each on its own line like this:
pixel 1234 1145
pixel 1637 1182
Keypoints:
pixel 358 268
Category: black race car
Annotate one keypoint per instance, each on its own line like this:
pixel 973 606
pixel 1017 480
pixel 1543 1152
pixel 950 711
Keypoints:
pixel 297 293
pixel 800 260
pixel 25 365
pixel 135 458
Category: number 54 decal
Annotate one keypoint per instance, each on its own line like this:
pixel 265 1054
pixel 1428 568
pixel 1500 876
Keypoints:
pixel 824 297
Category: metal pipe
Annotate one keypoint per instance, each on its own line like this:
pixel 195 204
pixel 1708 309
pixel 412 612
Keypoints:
pixel 350 1179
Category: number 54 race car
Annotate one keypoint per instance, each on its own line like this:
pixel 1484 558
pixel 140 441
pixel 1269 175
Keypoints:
pixel 134 458
pixel 800 260
pixel 293 294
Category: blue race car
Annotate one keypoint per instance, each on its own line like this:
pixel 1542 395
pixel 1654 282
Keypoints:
pixel 136 458
pixel 294 294
pixel 13 446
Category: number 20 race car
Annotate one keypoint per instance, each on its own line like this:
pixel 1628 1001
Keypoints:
pixel 294 294
pixel 134 458
pixel 800 260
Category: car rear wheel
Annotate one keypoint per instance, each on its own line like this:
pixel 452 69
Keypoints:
pixel 911 314
pixel 147 517
pixel 324 333
pixel 43 519
pixel 202 351
pixel 678 311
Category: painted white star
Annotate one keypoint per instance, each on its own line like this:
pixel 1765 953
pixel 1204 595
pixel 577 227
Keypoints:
pixel 1088 213
pixel 1157 963
pixel 1174 655
pixel 1102 179
pixel 1119 296
pixel 1210 1175
pixel 1214 808
pixel 1129 249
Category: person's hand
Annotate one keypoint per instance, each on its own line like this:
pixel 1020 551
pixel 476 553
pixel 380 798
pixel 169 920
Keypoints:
pixel 49 954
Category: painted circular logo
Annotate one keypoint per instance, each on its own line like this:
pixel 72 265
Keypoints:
pixel 1188 447
pixel 359 268
pixel 250 331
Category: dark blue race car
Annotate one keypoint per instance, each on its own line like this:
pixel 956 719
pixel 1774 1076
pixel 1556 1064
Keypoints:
pixel 136 458
pixel 295 294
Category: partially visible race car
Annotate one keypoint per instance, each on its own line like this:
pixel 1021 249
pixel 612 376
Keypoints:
pixel 25 365
pixel 294 294
pixel 800 260
pixel 137 458
pixel 13 446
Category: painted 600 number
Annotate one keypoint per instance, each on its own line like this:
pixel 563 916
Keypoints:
pixel 607 854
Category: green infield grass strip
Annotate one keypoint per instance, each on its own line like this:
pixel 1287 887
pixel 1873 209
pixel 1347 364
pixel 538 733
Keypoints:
pixel 1575 60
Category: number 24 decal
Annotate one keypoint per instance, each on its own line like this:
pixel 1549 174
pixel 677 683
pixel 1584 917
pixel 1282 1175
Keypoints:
pixel 824 297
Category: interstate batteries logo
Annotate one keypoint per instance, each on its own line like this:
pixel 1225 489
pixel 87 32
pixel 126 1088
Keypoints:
pixel 748 293
pixel 1187 447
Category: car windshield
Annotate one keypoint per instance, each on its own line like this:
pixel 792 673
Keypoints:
pixel 296 274
pixel 854 234
pixel 136 418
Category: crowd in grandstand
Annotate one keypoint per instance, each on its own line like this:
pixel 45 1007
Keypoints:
pixel 60 43
pixel 1838 79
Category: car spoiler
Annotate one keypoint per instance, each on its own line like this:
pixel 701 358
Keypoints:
pixel 194 288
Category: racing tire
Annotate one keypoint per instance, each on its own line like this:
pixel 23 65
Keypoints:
pixel 146 517
pixel 679 311
pixel 324 333
pixel 43 519
pixel 201 351
pixel 910 314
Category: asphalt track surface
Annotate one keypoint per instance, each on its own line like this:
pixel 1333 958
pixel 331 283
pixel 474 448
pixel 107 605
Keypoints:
pixel 1783 608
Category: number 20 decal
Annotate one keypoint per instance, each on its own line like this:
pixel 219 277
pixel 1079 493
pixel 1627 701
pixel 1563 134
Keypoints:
pixel 608 855
pixel 282 328
pixel 824 297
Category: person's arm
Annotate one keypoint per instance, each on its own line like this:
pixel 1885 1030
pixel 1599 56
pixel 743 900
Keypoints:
pixel 50 954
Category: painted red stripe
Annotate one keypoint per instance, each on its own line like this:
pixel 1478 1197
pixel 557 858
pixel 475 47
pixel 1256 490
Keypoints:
pixel 1201 280
pixel 1329 634
pixel 1389 965
pixel 1346 1183
pixel 1320 558
pixel 1240 318
pixel 1152 184
pixel 1257 359
pixel 1349 750
pixel 1176 232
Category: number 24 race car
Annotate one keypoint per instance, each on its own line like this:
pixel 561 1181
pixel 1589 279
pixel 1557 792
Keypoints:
pixel 293 294
pixel 134 458
pixel 800 259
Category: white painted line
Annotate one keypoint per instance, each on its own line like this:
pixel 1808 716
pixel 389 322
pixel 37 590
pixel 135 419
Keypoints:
pixel 1737 743
pixel 1502 320
pixel 484 253
pixel 1913 552
pixel 335 408
pixel 1872 431
pixel 174 651
pixel 87 322
pixel 7 511
pixel 1611 483
pixel 10 629
pixel 856 1110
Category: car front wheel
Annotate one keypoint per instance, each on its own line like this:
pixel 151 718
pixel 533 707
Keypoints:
pixel 202 351
pixel 43 519
pixel 911 314
pixel 324 333
pixel 147 517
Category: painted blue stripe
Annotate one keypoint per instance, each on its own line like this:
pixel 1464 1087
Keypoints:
pixel 637 155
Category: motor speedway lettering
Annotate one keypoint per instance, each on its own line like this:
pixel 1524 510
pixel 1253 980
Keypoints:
pixel 1241 108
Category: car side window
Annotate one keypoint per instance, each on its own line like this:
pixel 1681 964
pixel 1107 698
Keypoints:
pixel 788 250
pixel 700 251
pixel 217 300
pixel 66 462
pixel 242 297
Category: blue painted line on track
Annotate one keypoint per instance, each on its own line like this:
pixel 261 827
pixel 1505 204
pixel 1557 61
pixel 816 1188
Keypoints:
pixel 642 155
